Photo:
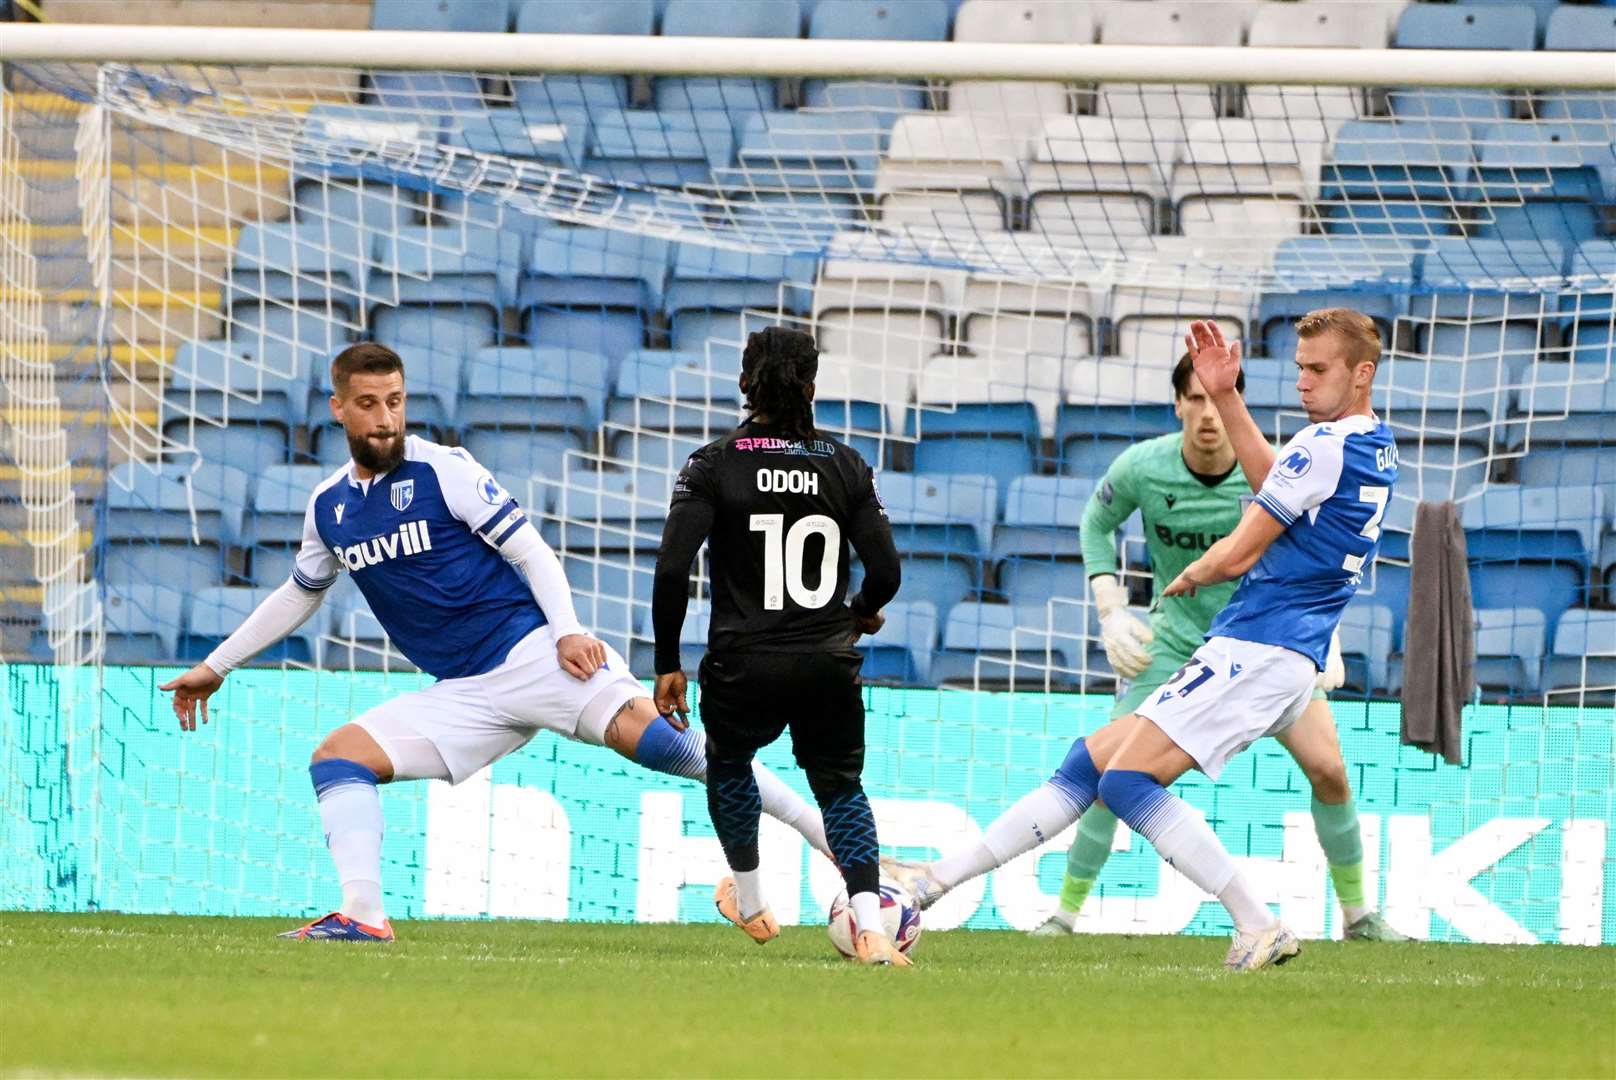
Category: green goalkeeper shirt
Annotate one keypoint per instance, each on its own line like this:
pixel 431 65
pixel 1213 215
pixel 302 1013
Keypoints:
pixel 1183 516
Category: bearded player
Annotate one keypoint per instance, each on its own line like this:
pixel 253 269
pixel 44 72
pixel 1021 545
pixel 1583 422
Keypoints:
pixel 1188 489
pixel 1299 551
pixel 468 590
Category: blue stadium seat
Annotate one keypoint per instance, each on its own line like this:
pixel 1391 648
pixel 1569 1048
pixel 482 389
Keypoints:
pixel 616 576
pixel 1441 26
pixel 669 149
pixel 1584 656
pixel 712 289
pixel 1271 396
pixel 873 20
pixel 453 328
pixel 264 328
pixel 464 263
pixel 1573 27
pixel 1098 422
pixel 1368 638
pixel 667 405
pixel 611 510
pixel 709 18
pixel 1442 402
pixel 1542 12
pixel 217 612
pixel 1586 319
pixel 251 444
pixel 1509 650
pixel 238 382
pixel 942 512
pixel 1037 552
pixel 557 136
pixel 143 504
pixel 994 645
pixel 592 289
pixel 901 651
pixel 1371 274
pixel 803 155
pixel 1396 177
pixel 1478 311
pixel 331 134
pixel 1565 428
pixel 360 642
pixel 1543 180
pixel 143 622
pixel 515 456
pixel 593 91
pixel 1532 547
pixel 999 438
pixel 439 91
pixel 316 262
pixel 273 529
pixel 375 207
pixel 536 390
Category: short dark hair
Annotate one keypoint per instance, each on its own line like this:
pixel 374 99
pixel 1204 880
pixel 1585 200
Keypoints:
pixel 365 358
pixel 777 367
pixel 1186 367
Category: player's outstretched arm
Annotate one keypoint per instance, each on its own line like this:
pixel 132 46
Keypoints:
pixel 282 611
pixel 1232 556
pixel 1217 365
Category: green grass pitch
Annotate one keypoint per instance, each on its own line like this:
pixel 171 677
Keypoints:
pixel 157 996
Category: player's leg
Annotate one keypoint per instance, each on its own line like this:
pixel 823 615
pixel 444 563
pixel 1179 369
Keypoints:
pixel 1313 743
pixel 827 738
pixel 1097 828
pixel 1032 820
pixel 636 731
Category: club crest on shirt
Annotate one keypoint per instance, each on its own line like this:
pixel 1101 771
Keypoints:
pixel 401 494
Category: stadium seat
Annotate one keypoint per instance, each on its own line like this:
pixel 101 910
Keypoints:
pixel 591 91
pixel 1371 274
pixel 235 381
pixel 884 314
pixel 1586 321
pixel 668 149
pixel 1037 553
pixel 942 525
pixel 1368 638
pixel 610 511
pixel 436 91
pixel 537 390
pixel 143 622
pixel 467 264
pixel 805 157
pixel 1578 28
pixel 658 391
pixel 856 403
pixel 375 207
pixel 1443 401
pixel 946 173
pixel 1441 26
pixel 873 20
pixel 1023 107
pixel 901 651
pixel 1319 25
pixel 592 289
pixel 515 456
pixel 1564 427
pixel 450 327
pixel 616 576
pixel 1008 316
pixel 1004 645
pixel 974 414
pixel 1532 547
pixel 1542 181
pixel 217 612
pixel 262 327
pixel 1150 320
pixel 1481 309
pixel 1581 670
pixel 720 18
pixel 718 296
pixel 272 530
pixel 1396 177
pixel 339 133
pixel 1509 650
pixel 1240 178
pixel 318 262
pixel 551 137
pixel 157 505
pixel 1166 23
pixel 357 641
pixel 1111 404
pixel 1542 12
pixel 1099 178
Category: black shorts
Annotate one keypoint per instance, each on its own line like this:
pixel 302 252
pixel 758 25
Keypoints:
pixel 749 698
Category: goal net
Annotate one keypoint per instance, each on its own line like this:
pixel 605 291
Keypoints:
pixel 999 274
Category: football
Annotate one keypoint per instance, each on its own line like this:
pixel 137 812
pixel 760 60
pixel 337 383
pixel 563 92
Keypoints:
pixel 899 915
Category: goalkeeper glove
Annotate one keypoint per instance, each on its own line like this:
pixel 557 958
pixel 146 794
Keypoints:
pixel 1125 637
pixel 1335 669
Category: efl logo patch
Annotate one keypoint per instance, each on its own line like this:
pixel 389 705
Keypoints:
pixel 1297 464
pixel 491 492
pixel 401 494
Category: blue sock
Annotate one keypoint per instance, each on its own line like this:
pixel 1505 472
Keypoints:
pixel 734 804
pixel 335 772
pixel 1077 778
pixel 850 830
pixel 666 749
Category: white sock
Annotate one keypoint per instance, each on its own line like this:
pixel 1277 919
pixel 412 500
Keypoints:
pixel 1066 918
pixel 1190 846
pixel 351 815
pixel 784 804
pixel 1245 906
pixel 1036 817
pixel 867 913
pixel 749 892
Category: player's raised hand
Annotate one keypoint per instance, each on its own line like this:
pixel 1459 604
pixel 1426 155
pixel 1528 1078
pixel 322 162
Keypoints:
pixel 1216 362
pixel 669 695
pixel 580 655
pixel 191 692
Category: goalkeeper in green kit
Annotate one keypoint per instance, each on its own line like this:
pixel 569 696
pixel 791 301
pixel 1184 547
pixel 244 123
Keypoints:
pixel 1188 489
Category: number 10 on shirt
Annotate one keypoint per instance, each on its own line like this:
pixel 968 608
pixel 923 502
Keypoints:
pixel 782 562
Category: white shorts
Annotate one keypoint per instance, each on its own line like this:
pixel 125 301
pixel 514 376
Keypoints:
pixel 475 721
pixel 1227 696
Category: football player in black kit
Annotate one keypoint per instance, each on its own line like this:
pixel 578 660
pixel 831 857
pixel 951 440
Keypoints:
pixel 777 502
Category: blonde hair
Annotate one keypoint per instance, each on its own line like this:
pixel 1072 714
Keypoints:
pixel 1356 330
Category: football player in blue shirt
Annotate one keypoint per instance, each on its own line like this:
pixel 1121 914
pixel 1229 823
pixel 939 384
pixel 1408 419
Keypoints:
pixel 1299 551
pixel 468 590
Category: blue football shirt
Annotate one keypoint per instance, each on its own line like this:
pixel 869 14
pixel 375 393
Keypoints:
pixel 1329 487
pixel 423 544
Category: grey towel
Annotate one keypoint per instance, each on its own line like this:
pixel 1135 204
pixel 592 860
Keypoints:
pixel 1439 646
